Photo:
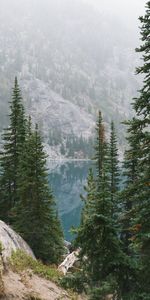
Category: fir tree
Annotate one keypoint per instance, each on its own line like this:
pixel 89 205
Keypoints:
pixel 97 235
pixel 128 195
pixel 141 123
pixel 114 167
pixel 137 166
pixel 88 200
pixel 36 218
pixel 127 205
pixel 86 215
pixel 13 140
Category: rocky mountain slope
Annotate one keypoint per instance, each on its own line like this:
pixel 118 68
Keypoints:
pixel 70 61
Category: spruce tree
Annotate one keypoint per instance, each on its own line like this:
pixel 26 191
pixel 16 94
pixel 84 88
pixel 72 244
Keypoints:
pixel 86 217
pixel 36 217
pixel 13 140
pixel 88 200
pixel 141 123
pixel 136 194
pixel 127 205
pixel 114 167
pixel 131 180
pixel 97 235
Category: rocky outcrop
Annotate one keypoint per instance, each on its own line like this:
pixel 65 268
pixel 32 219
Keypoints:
pixel 11 241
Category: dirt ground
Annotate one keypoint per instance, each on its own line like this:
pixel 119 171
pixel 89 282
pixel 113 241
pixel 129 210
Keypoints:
pixel 27 286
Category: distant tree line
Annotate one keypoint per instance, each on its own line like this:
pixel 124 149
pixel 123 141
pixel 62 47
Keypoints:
pixel 71 146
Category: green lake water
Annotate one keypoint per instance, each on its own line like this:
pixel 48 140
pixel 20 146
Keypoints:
pixel 67 180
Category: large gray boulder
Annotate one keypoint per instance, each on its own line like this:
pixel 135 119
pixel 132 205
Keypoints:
pixel 11 241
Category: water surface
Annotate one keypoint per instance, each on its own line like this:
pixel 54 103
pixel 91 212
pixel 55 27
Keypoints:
pixel 67 180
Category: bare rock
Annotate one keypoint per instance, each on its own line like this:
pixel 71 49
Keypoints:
pixel 11 241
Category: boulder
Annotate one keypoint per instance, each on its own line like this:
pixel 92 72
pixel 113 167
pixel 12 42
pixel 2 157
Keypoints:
pixel 11 241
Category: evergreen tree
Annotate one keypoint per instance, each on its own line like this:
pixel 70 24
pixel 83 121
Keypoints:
pixel 13 140
pixel 141 123
pixel 114 167
pixel 128 195
pixel 127 206
pixel 36 218
pixel 97 235
pixel 90 190
pixel 136 194
pixel 86 215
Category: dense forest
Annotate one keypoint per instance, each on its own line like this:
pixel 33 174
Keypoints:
pixel 113 237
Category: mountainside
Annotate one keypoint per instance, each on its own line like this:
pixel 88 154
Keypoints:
pixel 70 61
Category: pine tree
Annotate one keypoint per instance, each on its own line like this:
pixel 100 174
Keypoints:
pixel 86 215
pixel 128 195
pixel 97 235
pixel 88 200
pixel 127 205
pixel 13 139
pixel 37 220
pixel 141 123
pixel 137 170
pixel 114 167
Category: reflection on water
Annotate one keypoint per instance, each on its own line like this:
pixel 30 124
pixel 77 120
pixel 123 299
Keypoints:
pixel 67 180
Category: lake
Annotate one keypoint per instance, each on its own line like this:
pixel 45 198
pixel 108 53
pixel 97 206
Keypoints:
pixel 67 180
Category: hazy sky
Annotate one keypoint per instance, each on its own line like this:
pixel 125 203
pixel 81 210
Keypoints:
pixel 119 6
pixel 129 10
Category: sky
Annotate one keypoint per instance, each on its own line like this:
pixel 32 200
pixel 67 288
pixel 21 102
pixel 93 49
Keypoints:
pixel 118 6
pixel 129 10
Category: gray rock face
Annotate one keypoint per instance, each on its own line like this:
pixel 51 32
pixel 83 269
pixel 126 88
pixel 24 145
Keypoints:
pixel 11 241
pixel 70 61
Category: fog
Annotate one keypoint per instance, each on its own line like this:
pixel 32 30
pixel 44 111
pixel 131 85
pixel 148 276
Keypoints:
pixel 82 51
pixel 122 8
pixel 126 10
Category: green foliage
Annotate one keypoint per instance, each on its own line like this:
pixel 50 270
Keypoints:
pixel 97 235
pixel 114 166
pixel 13 140
pixel 36 218
pixel 20 261
pixel 135 196
pixel 31 296
pixel 106 288
pixel 25 198
pixel 75 282
pixel 71 146
pixel 1 247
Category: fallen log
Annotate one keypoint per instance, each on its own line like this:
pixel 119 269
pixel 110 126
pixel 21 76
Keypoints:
pixel 69 261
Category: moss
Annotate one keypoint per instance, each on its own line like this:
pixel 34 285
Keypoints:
pixel 1 247
pixel 1 271
pixel 20 261
pixel 32 297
